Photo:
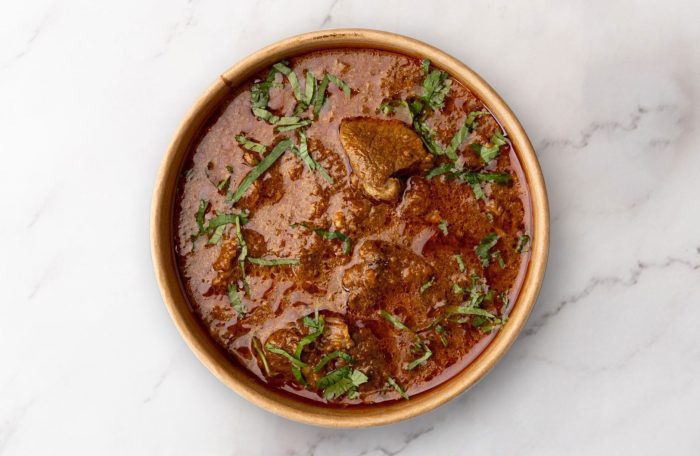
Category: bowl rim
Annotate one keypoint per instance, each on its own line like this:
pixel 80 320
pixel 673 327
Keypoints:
pixel 204 347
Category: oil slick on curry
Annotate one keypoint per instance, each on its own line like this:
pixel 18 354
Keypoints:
pixel 352 226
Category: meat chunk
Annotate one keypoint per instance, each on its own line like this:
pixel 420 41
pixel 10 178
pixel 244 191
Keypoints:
pixel 378 149
pixel 388 278
pixel 336 335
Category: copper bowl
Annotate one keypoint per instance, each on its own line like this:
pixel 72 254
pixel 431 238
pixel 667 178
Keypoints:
pixel 206 349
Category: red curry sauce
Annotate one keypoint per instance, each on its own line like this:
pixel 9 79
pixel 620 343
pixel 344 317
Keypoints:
pixel 378 265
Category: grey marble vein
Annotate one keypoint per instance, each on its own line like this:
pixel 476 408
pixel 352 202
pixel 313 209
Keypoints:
pixel 329 14
pixel 597 282
pixel 178 28
pixel 611 125
pixel 410 438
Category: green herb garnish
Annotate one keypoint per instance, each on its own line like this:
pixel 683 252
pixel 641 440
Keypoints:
pixel 279 351
pixel 273 261
pixel 217 225
pixel 325 359
pixel 435 86
pixel 303 152
pixel 341 85
pixel 261 167
pixel 422 360
pixel 329 235
pixel 490 153
pixel 396 387
pixel 294 126
pixel 261 354
pixel 250 145
pixel 443 335
pixel 291 77
pixel 341 381
pixel 522 245
pixel 316 325
pixel 486 244
pixel 443 227
pixel 320 95
pixel 426 285
pixel 499 258
pixel 260 91
pixel 394 320
pixel 199 217
pixel 235 300
pixel 460 262
pixel 503 296
pixel 223 185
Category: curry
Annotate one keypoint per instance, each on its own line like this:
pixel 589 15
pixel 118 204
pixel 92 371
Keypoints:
pixel 352 226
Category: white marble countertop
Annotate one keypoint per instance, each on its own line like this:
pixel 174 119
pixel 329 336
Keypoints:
pixel 90 94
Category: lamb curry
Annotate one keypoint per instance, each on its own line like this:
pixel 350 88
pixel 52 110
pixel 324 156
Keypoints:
pixel 352 226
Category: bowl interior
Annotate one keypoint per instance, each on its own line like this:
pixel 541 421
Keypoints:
pixel 209 353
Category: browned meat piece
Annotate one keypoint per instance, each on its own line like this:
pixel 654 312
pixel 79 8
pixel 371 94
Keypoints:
pixel 388 278
pixel 377 150
pixel 336 335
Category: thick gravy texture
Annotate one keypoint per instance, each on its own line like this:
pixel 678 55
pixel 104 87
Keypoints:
pixel 363 254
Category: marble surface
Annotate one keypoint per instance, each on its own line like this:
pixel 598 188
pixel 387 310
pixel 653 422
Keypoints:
pixel 90 93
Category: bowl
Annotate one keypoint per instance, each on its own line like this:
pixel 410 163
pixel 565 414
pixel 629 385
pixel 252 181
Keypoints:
pixel 237 377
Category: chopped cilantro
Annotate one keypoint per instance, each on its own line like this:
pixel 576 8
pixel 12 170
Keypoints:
pixel 261 354
pixel 303 152
pixel 426 285
pixel 273 261
pixel 260 91
pixel 488 154
pixel 394 320
pixel 422 360
pixel 278 351
pixel 443 227
pixel 444 336
pixel 460 262
pixel 291 77
pixel 341 381
pixel 250 145
pixel 486 244
pixel 199 217
pixel 499 259
pixel 325 359
pixel 523 242
pixel 261 167
pixel 235 300
pixel 396 387
pixel 329 235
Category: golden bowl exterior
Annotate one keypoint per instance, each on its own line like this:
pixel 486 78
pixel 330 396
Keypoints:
pixel 196 336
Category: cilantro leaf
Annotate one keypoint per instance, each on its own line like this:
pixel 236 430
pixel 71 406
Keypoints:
pixel 291 77
pixel 260 91
pixel 250 145
pixel 341 381
pixel 303 152
pixel 486 244
pixel 522 245
pixel 329 235
pixel 325 359
pixel 273 261
pixel 460 262
pixel 199 217
pixel 427 285
pixel 261 167
pixel 396 387
pixel 235 300
pixel 422 360
pixel 279 351
pixel 394 320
